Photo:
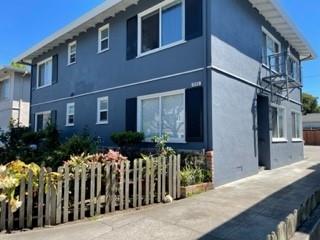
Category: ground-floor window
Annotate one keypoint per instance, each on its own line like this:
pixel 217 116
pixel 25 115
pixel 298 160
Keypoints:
pixel 103 110
pixel 70 114
pixel 296 126
pixel 278 116
pixel 162 113
pixel 42 119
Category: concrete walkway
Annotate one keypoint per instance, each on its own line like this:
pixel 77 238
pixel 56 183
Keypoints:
pixel 245 210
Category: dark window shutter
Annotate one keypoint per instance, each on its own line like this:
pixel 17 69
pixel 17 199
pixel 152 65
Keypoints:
pixel 54 69
pixel 194 114
pixel 132 38
pixel 54 117
pixel 39 122
pixel 34 70
pixel 131 114
pixel 194 18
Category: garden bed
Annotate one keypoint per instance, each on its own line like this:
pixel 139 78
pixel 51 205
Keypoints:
pixel 188 191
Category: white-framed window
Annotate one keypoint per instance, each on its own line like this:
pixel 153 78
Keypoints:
pixel 293 68
pixel 278 117
pixel 162 113
pixel 70 113
pixel 72 53
pixel 5 89
pixel 161 26
pixel 296 126
pixel 44 75
pixel 271 47
pixel 103 38
pixel 103 110
pixel 42 119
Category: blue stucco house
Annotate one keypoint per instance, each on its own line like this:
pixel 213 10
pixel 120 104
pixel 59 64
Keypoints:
pixel 221 75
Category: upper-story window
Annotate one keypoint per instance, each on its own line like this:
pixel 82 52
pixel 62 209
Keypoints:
pixel 103 38
pixel 44 77
pixel 293 68
pixel 102 110
pixel 70 114
pixel 72 52
pixel 161 26
pixel 4 89
pixel 271 51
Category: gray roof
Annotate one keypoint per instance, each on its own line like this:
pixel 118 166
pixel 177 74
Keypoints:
pixel 5 70
pixel 312 117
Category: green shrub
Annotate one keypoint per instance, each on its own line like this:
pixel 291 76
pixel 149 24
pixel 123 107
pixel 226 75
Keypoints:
pixel 161 146
pixel 194 175
pixel 123 139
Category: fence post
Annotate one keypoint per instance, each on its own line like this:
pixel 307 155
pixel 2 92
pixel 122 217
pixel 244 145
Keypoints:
pixel 152 183
pixel 164 177
pixel 127 185
pixel 59 196
pixel 170 176
pixel 76 194
pixel 3 214
pixel 140 184
pixel 23 200
pixel 66 195
pixel 178 177
pixel 134 183
pixel 174 178
pixel 108 188
pixel 92 188
pixel 147 182
pixel 48 200
pixel 30 200
pixel 98 193
pixel 40 197
pixel 158 180
pixel 53 209
pixel 113 186
pixel 10 219
pixel 121 185
pixel 83 191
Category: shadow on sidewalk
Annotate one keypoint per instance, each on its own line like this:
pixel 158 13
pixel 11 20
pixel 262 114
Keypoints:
pixel 262 218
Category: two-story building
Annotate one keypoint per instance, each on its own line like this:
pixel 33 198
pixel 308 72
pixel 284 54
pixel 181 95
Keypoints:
pixel 221 75
pixel 14 96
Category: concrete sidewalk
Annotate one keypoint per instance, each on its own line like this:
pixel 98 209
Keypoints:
pixel 245 210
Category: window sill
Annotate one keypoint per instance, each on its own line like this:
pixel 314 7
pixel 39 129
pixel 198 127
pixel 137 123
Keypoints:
pixel 44 86
pixel 161 48
pixel 69 125
pixel 70 64
pixel 102 123
pixel 279 140
pixel 169 142
pixel 297 140
pixel 102 51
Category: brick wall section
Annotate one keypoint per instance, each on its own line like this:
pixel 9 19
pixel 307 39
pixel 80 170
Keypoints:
pixel 210 163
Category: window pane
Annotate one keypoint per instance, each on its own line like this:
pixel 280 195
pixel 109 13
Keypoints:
pixel 294 127
pixel 104 44
pixel 73 48
pixel 39 122
pixel 73 58
pixel 104 33
pixel 172 113
pixel 71 119
pixel 104 116
pixel 172 23
pixel 150 123
pixel 41 75
pixel 274 122
pixel 281 122
pixel 150 32
pixel 103 104
pixel 4 89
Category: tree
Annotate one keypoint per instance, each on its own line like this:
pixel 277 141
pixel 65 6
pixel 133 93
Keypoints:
pixel 310 104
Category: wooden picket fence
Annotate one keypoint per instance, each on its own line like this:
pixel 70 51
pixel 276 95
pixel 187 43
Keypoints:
pixel 90 191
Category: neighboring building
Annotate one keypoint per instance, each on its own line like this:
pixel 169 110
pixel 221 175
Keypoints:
pixel 214 74
pixel 14 96
pixel 311 121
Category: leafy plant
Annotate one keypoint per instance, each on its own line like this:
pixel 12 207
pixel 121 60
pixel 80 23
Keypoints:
pixel 194 175
pixel 161 145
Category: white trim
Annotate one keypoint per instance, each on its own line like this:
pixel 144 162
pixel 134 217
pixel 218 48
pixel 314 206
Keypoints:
pixel 121 86
pixel 285 127
pixel 36 118
pixel 104 27
pixel 38 72
pixel 300 127
pixel 160 96
pixel 102 110
pixel 159 7
pixel 74 43
pixel 68 115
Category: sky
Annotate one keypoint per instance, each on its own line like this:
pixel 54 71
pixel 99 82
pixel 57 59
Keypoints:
pixel 25 23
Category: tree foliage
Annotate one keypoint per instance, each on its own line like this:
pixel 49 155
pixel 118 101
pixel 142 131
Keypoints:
pixel 310 104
